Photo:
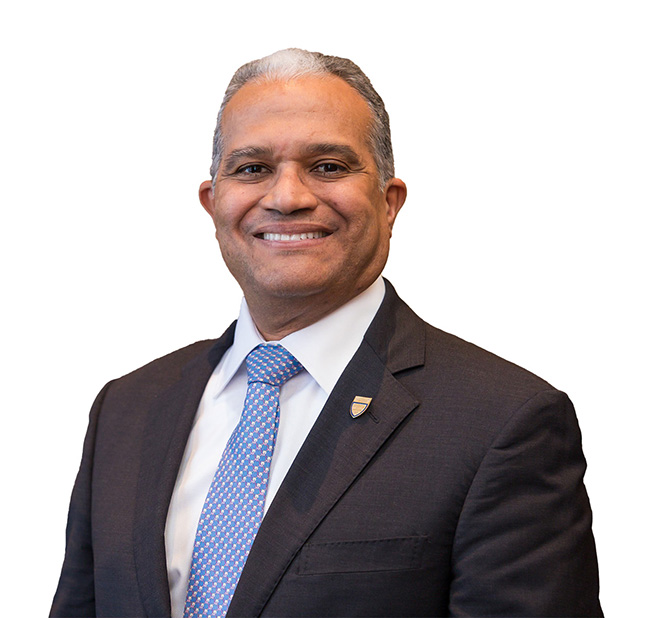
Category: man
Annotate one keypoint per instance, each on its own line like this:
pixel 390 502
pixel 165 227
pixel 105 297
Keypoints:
pixel 409 473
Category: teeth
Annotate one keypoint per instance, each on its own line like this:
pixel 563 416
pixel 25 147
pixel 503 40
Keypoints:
pixel 288 237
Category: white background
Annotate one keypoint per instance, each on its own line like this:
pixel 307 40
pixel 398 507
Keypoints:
pixel 521 128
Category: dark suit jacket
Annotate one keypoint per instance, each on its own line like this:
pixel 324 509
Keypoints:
pixel 459 492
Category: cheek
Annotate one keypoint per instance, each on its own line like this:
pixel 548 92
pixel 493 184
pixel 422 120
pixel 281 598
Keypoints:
pixel 232 205
pixel 350 201
pixel 368 216
pixel 227 216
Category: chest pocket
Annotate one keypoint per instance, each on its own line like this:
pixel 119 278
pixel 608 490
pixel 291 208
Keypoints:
pixel 362 556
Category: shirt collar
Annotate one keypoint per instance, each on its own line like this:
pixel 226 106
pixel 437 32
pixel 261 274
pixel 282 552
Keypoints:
pixel 324 348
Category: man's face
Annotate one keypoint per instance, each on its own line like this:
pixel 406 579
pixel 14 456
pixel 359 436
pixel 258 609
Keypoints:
pixel 297 204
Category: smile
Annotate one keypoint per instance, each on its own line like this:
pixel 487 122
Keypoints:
pixel 290 237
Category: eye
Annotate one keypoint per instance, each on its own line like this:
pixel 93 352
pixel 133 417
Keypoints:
pixel 330 168
pixel 252 170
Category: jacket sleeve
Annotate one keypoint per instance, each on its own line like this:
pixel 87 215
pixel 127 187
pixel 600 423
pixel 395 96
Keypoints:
pixel 523 545
pixel 75 594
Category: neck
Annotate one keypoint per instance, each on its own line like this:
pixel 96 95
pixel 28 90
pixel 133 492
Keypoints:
pixel 278 317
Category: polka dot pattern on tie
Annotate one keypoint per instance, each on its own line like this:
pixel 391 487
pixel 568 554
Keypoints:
pixel 234 506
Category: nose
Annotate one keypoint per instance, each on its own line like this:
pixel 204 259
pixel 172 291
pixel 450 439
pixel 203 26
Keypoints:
pixel 289 193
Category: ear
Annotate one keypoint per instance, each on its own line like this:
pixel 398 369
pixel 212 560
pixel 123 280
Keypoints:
pixel 395 196
pixel 206 197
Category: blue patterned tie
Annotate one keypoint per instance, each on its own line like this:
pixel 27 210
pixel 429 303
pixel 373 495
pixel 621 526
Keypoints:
pixel 234 506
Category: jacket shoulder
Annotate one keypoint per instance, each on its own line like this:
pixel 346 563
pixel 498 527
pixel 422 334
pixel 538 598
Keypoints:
pixel 475 366
pixel 162 373
pixel 174 360
pixel 406 341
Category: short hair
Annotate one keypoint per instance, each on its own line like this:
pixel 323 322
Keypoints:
pixel 288 64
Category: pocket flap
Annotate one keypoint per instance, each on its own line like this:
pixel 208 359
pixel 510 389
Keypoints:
pixel 359 556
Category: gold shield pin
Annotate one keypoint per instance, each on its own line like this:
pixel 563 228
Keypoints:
pixel 359 406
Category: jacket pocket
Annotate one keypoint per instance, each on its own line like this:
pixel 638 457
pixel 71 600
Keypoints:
pixel 362 556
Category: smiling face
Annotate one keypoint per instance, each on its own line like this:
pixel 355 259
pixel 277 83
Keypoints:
pixel 297 205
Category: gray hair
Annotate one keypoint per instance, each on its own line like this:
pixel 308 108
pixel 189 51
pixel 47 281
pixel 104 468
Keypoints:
pixel 289 64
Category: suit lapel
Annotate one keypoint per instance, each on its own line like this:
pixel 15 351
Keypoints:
pixel 336 451
pixel 168 426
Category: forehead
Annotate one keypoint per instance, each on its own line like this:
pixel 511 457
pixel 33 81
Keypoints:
pixel 305 109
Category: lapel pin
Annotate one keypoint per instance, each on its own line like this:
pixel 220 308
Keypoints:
pixel 359 406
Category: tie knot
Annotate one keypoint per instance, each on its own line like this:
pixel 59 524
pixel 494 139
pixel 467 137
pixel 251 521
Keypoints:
pixel 271 364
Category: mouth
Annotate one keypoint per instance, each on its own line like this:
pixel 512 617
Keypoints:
pixel 292 237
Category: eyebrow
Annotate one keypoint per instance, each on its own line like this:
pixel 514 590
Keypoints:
pixel 246 153
pixel 321 149
pixel 342 150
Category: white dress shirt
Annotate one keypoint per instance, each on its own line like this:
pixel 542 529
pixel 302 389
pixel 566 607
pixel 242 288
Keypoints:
pixel 324 349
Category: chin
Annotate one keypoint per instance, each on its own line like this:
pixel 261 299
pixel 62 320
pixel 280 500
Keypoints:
pixel 290 285
pixel 290 289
